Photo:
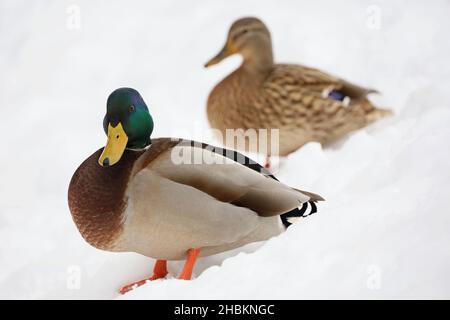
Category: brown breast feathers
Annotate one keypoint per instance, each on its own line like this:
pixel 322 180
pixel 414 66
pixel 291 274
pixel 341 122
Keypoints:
pixel 97 198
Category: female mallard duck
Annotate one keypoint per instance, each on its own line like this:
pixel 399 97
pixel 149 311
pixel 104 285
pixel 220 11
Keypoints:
pixel 305 104
pixel 173 199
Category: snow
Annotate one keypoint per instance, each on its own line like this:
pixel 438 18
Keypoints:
pixel 383 231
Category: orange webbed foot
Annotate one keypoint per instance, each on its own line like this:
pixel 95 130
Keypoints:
pixel 159 272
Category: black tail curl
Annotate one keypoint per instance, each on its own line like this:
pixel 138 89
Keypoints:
pixel 301 212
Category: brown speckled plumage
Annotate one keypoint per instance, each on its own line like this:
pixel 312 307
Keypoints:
pixel 97 195
pixel 97 198
pixel 264 95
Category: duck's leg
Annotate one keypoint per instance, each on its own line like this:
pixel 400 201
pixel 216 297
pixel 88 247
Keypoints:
pixel 192 255
pixel 159 272
pixel 267 165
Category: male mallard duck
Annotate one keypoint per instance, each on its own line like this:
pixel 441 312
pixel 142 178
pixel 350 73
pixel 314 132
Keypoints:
pixel 305 104
pixel 173 199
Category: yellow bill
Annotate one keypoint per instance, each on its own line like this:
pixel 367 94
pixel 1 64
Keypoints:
pixel 227 51
pixel 117 142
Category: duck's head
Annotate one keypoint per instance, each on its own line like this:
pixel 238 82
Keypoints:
pixel 248 37
pixel 127 123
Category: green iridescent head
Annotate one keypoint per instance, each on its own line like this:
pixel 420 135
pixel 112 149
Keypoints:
pixel 127 123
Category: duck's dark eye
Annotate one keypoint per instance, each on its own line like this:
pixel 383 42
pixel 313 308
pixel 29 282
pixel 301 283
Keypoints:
pixel 240 33
pixel 131 108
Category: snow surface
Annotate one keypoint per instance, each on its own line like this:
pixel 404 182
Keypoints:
pixel 384 231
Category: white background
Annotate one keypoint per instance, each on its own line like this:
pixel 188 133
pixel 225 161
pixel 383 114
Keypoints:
pixel 384 230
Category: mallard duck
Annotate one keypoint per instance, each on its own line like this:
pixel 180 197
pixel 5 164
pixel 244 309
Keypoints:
pixel 305 104
pixel 174 199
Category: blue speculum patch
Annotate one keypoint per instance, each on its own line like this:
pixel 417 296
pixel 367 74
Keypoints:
pixel 336 95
